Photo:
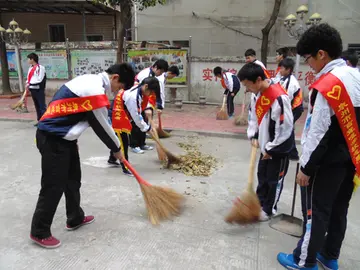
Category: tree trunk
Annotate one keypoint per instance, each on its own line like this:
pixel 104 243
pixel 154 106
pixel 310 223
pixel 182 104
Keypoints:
pixel 266 31
pixel 125 15
pixel 6 89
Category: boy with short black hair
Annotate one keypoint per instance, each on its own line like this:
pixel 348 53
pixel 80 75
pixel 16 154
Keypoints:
pixel 126 110
pixel 293 89
pixel 250 57
pixel 77 105
pixel 231 84
pixel 281 54
pixel 351 58
pixel 36 84
pixel 330 159
pixel 270 126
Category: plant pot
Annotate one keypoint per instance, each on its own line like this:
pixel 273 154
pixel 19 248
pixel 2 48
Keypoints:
pixel 202 100
pixel 178 103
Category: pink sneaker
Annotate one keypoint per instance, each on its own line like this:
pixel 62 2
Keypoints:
pixel 87 220
pixel 49 242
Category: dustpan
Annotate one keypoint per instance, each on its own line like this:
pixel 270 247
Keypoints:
pixel 289 224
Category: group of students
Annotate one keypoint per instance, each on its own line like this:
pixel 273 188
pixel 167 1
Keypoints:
pixel 330 159
pixel 330 142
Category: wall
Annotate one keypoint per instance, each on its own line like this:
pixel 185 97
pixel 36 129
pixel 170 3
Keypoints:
pixel 200 19
pixel 204 83
pixel 38 25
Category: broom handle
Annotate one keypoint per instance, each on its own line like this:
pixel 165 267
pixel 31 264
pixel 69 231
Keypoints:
pixel 159 117
pixel 294 194
pixel 243 105
pixel 135 173
pixel 223 105
pixel 252 166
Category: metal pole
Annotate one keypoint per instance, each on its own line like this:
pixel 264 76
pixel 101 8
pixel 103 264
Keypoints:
pixel 20 71
pixel 68 59
pixel 297 65
pixel 189 70
pixel 135 23
pixel 84 26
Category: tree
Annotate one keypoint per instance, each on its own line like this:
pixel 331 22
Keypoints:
pixel 125 17
pixel 6 89
pixel 266 31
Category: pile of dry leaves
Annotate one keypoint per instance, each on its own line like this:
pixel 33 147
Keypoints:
pixel 194 163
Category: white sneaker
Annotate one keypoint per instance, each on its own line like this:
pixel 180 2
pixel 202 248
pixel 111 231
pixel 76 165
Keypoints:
pixel 263 216
pixel 137 150
pixel 146 147
pixel 274 212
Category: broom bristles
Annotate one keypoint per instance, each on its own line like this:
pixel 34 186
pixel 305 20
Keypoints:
pixel 241 120
pixel 222 115
pixel 245 210
pixel 161 153
pixel 161 202
pixel 162 133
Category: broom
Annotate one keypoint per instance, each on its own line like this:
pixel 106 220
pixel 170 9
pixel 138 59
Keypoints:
pixel 172 159
pixel 222 114
pixel 241 119
pixel 247 209
pixel 160 152
pixel 162 133
pixel 161 202
pixel 20 103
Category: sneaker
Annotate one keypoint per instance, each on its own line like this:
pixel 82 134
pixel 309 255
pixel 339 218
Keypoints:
pixel 137 150
pixel 274 212
pixel 146 147
pixel 263 216
pixel 49 242
pixel 87 220
pixel 128 173
pixel 113 162
pixel 287 260
pixel 327 264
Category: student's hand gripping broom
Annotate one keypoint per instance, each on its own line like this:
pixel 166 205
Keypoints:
pixel 161 202
pixel 247 208
pixel 222 114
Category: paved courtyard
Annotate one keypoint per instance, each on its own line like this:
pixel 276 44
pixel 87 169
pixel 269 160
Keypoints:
pixel 121 236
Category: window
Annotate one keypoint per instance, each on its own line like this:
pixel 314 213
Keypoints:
pixel 95 38
pixel 181 43
pixel 57 32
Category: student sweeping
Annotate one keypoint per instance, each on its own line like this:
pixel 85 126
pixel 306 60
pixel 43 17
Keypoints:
pixel 330 159
pixel 231 84
pixel 77 105
pixel 137 138
pixel 125 110
pixel 292 87
pixel 270 125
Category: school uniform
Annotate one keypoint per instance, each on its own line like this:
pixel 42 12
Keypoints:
pixel 126 112
pixel 278 76
pixel 261 64
pixel 36 83
pixel 231 84
pixel 330 154
pixel 77 105
pixel 293 89
pixel 271 122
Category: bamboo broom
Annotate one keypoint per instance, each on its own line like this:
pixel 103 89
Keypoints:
pixel 161 202
pixel 162 133
pixel 247 208
pixel 222 114
pixel 241 119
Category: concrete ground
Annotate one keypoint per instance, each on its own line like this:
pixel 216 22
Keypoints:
pixel 121 236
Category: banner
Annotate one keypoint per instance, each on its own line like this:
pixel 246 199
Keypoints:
pixel 91 61
pixel 11 57
pixel 141 59
pixel 55 63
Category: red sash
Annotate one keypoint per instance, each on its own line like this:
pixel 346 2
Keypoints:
pixel 31 73
pixel 298 100
pixel 67 106
pixel 335 93
pixel 266 99
pixel 223 81
pixel 120 118
pixel 277 70
pixel 267 74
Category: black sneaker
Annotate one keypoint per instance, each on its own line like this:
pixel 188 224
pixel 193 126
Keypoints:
pixel 128 173
pixel 113 162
